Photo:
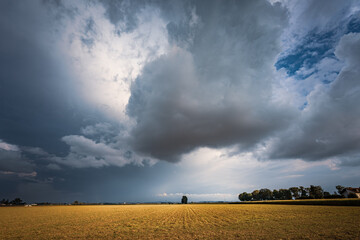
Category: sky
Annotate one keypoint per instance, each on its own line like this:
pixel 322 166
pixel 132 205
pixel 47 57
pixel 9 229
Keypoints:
pixel 143 101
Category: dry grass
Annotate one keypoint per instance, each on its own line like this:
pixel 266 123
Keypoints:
pixel 193 221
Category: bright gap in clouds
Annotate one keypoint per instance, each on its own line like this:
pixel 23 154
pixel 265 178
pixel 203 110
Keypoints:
pixel 105 58
pixel 219 174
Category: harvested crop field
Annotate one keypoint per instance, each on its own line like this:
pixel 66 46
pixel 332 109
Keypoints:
pixel 192 221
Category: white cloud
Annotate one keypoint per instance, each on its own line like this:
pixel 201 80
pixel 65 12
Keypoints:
pixel 99 128
pixel 218 91
pixel 8 147
pixel 306 16
pixel 328 128
pixel 19 174
pixel 292 176
pixel 85 152
pixel 104 60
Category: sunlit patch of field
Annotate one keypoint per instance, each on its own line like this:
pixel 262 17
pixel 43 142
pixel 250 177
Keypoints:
pixel 192 221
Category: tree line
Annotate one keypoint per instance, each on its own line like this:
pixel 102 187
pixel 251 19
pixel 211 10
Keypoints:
pixel 16 201
pixel 312 192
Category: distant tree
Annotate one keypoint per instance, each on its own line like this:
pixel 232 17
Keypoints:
pixel 340 188
pixel 76 202
pixel 4 201
pixel 276 194
pixel 295 192
pixel 255 195
pixel 248 196
pixel 303 192
pixel 285 194
pixel 17 201
pixel 265 194
pixel 245 196
pixel 316 192
pixel 184 200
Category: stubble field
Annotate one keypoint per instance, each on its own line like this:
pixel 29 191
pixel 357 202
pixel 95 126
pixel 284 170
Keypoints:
pixel 192 221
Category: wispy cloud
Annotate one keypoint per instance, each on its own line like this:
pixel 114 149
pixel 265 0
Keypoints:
pixel 19 174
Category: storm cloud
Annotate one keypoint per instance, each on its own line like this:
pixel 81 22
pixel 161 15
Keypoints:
pixel 37 105
pixel 216 91
pixel 12 160
pixel 329 126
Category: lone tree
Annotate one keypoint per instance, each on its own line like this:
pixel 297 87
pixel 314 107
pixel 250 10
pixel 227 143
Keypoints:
pixel 184 200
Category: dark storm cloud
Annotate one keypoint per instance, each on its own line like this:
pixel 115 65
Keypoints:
pixel 14 162
pixel 217 91
pixel 213 88
pixel 123 13
pixel 37 107
pixel 329 126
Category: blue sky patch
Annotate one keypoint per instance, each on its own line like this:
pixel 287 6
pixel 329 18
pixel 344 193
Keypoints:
pixel 315 47
pixel 354 25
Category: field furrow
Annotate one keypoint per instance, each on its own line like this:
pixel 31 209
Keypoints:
pixel 192 221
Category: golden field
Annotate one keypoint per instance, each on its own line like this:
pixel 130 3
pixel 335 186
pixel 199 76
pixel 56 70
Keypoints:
pixel 192 221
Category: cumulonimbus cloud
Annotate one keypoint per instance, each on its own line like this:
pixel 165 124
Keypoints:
pixel 215 90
